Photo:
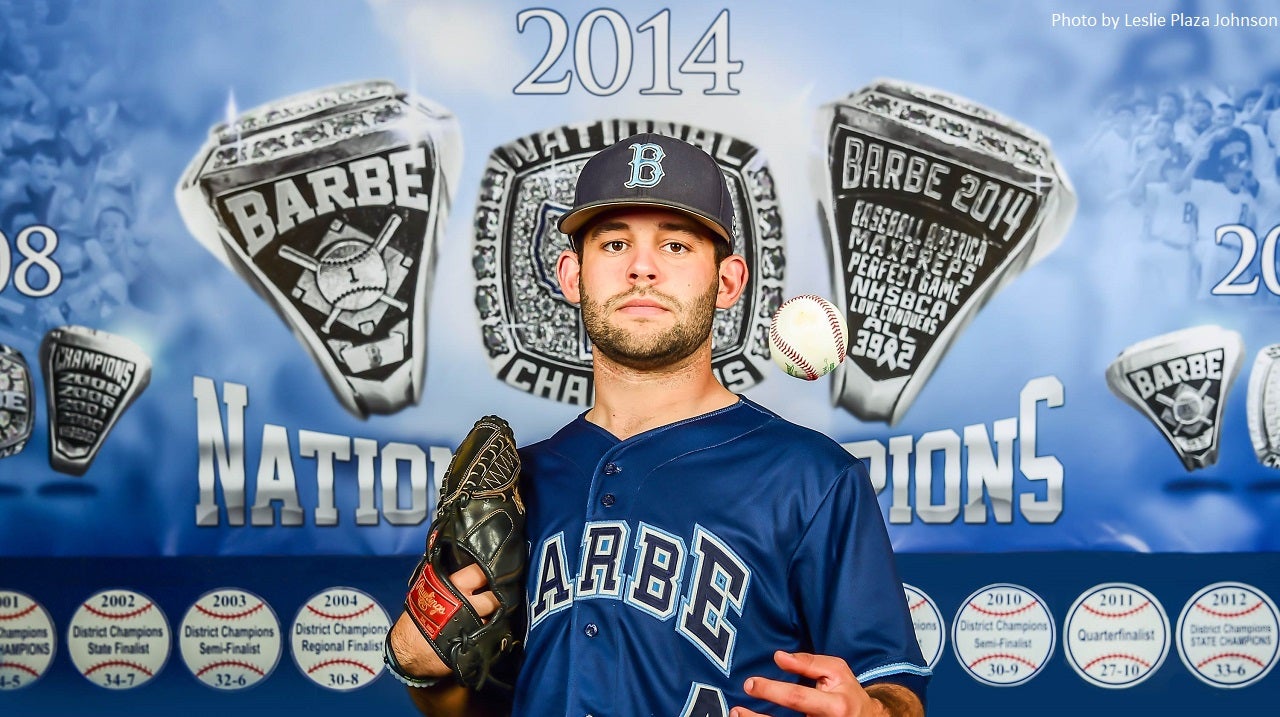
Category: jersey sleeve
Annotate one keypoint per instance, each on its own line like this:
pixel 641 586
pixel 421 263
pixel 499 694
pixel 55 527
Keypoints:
pixel 844 580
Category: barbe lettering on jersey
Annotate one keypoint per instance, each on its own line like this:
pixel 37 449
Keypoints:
pixel 1183 369
pixel 604 545
pixel 554 593
pixel 720 581
pixel 704 701
pixel 222 465
pixel 369 181
pixel 987 474
pixel 659 567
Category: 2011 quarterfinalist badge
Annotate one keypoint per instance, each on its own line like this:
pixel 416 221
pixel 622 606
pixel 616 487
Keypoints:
pixel 330 203
pixel 534 338
pixel 931 204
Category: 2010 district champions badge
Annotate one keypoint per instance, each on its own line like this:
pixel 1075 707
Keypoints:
pixel 1003 635
pixel 534 338
pixel 1180 382
pixel 330 204
pixel 931 204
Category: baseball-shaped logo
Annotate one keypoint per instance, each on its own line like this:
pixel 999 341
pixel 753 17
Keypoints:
pixel 926 618
pixel 1003 635
pixel 1116 635
pixel 337 638
pixel 27 640
pixel 230 639
pixel 808 337
pixel 118 639
pixel 1227 634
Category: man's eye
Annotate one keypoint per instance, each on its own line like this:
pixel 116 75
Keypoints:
pixel 676 248
pixel 616 245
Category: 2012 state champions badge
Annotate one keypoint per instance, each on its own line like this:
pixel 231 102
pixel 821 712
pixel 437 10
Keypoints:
pixel 534 337
pixel 90 378
pixel 17 410
pixel 330 204
pixel 1263 406
pixel 931 204
pixel 1180 382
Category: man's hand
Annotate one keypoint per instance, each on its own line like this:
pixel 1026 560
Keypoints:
pixel 836 692
pixel 412 650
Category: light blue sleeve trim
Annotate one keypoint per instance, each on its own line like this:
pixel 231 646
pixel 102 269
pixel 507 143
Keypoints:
pixel 893 669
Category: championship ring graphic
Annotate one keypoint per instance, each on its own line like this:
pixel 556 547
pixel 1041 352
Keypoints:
pixel 533 336
pixel 17 407
pixel 1263 406
pixel 330 204
pixel 931 204
pixel 1180 381
pixel 90 378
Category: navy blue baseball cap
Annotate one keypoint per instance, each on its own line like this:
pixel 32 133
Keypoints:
pixel 652 170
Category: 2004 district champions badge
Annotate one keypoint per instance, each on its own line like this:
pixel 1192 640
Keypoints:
pixel 27 640
pixel 337 638
pixel 926 618
pixel 1227 634
pixel 118 639
pixel 1003 635
pixel 230 639
pixel 1116 635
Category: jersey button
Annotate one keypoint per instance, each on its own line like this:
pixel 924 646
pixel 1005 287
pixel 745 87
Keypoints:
pixel 590 630
pixel 612 469
pixel 607 500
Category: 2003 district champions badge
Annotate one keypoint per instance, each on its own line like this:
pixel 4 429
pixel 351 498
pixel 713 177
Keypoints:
pixel 230 639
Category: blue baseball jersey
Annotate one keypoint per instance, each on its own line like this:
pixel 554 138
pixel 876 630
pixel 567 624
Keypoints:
pixel 665 569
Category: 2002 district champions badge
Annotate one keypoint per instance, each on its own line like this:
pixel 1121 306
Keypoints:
pixel 534 337
pixel 118 639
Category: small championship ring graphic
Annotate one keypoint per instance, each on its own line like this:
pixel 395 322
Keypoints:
pixel 118 639
pixel 1263 406
pixel 27 640
pixel 1003 635
pixel 926 619
pixel 533 336
pixel 1180 382
pixel 1227 634
pixel 90 379
pixel 1116 635
pixel 230 639
pixel 330 204
pixel 337 638
pixel 17 408
pixel 931 204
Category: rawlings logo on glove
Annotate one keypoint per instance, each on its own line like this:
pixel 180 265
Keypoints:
pixel 480 520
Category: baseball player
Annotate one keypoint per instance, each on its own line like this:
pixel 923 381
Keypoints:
pixel 691 553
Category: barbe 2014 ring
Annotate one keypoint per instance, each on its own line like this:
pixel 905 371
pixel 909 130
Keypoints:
pixel 931 204
pixel 534 337
pixel 330 204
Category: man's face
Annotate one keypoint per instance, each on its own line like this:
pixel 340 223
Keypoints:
pixel 1167 107
pixel 1234 164
pixel 648 285
pixel 43 171
pixel 1224 117
pixel 112 229
pixel 1201 114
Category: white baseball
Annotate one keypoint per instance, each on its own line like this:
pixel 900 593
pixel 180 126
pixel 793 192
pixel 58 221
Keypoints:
pixel 27 640
pixel 1227 634
pixel 926 618
pixel 1116 635
pixel 118 639
pixel 1003 635
pixel 337 638
pixel 808 337
pixel 230 639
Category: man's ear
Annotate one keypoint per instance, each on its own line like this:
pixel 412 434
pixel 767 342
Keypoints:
pixel 569 273
pixel 733 280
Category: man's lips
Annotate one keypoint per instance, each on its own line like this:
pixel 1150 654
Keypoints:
pixel 641 307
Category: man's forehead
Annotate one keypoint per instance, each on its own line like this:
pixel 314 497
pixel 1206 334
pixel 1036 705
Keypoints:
pixel 628 217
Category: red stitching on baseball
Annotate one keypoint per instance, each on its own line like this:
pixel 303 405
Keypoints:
pixel 922 602
pixel 353 663
pixel 125 616
pixel 836 329
pixel 118 663
pixel 1117 655
pixel 1236 655
pixel 1215 613
pixel 326 615
pixel 17 615
pixel 1127 613
pixel 231 663
pixel 1015 658
pixel 994 613
pixel 232 616
pixel 791 353
pixel 16 666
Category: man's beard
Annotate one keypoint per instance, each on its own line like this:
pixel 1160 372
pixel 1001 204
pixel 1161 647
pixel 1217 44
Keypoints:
pixel 664 348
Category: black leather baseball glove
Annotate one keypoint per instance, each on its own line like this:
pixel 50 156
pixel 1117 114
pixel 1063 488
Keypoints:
pixel 480 519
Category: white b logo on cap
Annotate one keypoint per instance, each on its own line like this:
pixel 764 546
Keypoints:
pixel 646 156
